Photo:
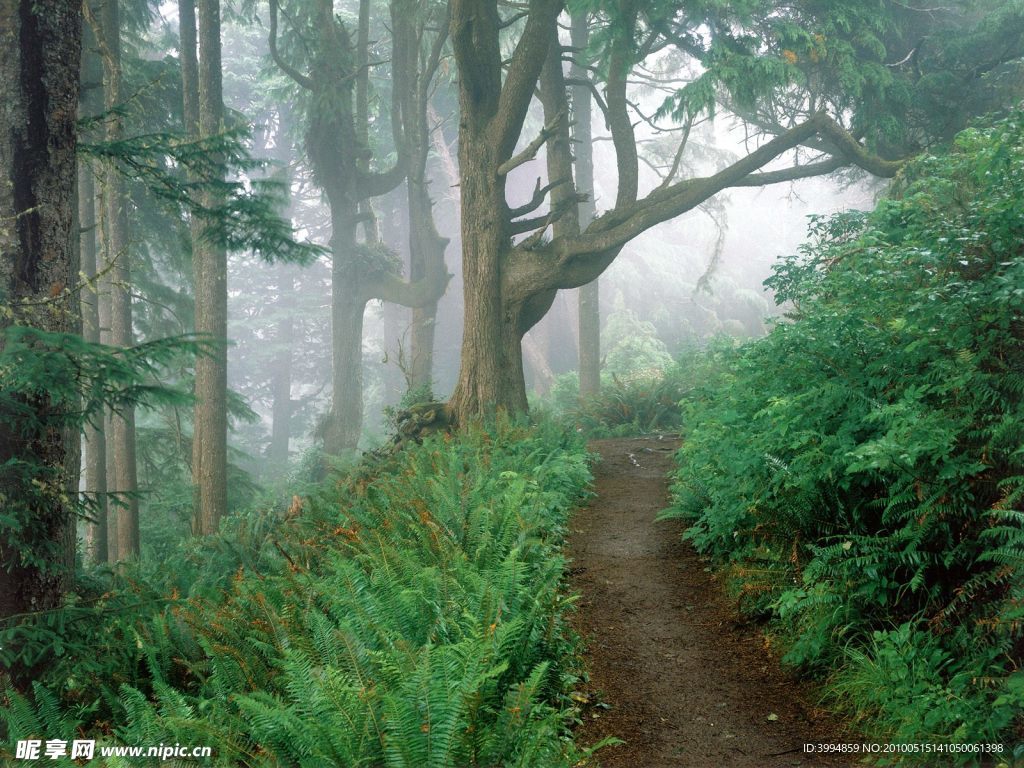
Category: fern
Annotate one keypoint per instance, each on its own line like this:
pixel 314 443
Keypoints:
pixel 859 469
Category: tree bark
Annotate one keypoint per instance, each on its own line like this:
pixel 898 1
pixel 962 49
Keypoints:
pixel 281 378
pixel 491 371
pixel 491 119
pixel 281 367
pixel 96 543
pixel 209 261
pixel 426 256
pixel 336 146
pixel 348 304
pixel 39 86
pixel 426 247
pixel 122 475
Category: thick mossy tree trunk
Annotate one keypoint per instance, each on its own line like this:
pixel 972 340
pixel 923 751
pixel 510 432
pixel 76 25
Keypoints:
pixel 335 143
pixel 39 85
pixel 344 423
pixel 491 372
pixel 509 284
pixel 335 154
pixel 491 118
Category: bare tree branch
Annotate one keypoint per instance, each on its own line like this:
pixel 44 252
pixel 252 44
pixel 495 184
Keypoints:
pixel 532 148
pixel 624 222
pixel 793 174
pixel 275 54
pixel 623 136
pixel 679 154
pixel 539 193
pixel 524 69
pixel 387 286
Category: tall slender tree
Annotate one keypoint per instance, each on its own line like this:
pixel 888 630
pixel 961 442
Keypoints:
pixel 589 297
pixel 122 480
pixel 209 260
pixel 95 436
pixel 416 61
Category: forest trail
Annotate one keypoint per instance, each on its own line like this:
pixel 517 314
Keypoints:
pixel 686 682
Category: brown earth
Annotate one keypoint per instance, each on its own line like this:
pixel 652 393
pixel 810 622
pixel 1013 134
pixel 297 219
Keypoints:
pixel 686 682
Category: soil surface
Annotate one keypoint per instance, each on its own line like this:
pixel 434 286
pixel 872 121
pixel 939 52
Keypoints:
pixel 685 681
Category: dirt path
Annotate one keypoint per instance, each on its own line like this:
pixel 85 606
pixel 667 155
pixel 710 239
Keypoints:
pixel 687 684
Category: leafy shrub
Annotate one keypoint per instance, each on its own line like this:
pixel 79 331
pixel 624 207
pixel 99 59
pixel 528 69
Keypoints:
pixel 633 345
pixel 638 403
pixel 413 618
pixel 635 406
pixel 861 467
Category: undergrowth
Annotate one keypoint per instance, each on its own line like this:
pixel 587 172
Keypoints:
pixel 639 403
pixel 414 616
pixel 860 470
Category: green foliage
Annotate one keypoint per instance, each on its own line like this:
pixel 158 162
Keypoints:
pixel 634 349
pixel 640 402
pixel 862 467
pixel 52 384
pixel 636 405
pixel 177 171
pixel 412 617
pixel 418 395
pixel 904 77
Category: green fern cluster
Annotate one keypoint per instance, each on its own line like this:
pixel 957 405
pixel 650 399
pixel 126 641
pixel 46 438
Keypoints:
pixel 637 403
pixel 862 467
pixel 412 617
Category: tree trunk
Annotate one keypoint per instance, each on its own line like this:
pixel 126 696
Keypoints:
pixel 426 256
pixel 39 82
pixel 492 112
pixel 421 346
pixel 589 295
pixel 281 377
pixel 122 479
pixel 396 318
pixel 95 438
pixel 96 542
pixel 348 303
pixel 491 371
pixel 590 339
pixel 542 377
pixel 209 260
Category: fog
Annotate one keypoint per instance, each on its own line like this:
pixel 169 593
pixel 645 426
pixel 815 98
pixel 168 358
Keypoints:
pixel 678 285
